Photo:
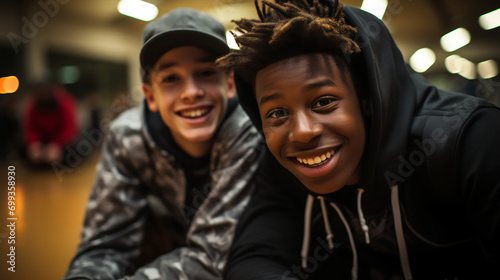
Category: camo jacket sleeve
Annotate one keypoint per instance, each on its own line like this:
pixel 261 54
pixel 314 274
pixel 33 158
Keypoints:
pixel 234 162
pixel 116 210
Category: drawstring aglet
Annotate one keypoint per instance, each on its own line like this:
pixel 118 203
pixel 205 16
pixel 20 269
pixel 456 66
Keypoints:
pixel 329 238
pixel 362 220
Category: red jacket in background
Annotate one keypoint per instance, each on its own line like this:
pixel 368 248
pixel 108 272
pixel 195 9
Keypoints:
pixel 58 125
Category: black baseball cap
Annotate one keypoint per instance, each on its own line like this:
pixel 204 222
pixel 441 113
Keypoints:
pixel 181 27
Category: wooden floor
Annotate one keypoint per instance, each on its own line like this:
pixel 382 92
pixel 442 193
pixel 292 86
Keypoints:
pixel 49 212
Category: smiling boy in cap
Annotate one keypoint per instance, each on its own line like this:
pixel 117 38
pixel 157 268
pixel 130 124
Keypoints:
pixel 176 172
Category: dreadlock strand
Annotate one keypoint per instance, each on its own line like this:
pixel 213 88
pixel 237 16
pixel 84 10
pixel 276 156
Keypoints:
pixel 243 25
pixel 280 9
pixel 260 10
pixel 250 41
pixel 338 11
pixel 304 4
pixel 279 31
pixel 287 28
pixel 318 10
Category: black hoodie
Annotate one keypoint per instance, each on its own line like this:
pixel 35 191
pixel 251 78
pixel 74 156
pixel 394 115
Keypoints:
pixel 429 197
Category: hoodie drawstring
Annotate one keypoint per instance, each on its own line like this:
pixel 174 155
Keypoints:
pixel 307 230
pixel 354 270
pixel 403 253
pixel 329 234
pixel 307 227
pixel 362 220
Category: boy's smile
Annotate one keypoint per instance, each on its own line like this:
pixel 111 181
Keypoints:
pixel 312 120
pixel 191 94
pixel 195 113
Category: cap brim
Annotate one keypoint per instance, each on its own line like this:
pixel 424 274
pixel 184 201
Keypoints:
pixel 163 42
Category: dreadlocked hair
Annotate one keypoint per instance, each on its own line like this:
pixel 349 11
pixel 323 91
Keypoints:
pixel 288 28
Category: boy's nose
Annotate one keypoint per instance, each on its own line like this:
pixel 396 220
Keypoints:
pixel 192 90
pixel 304 128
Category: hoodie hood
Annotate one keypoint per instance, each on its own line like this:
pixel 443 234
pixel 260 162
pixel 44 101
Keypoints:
pixel 393 92
pixel 406 109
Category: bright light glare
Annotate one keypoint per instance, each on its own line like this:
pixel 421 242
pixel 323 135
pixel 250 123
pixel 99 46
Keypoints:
pixel 467 69
pixel 231 42
pixel 487 69
pixel 455 39
pixel 9 84
pixel 375 7
pixel 490 20
pixel 453 63
pixel 456 64
pixel 422 59
pixel 138 9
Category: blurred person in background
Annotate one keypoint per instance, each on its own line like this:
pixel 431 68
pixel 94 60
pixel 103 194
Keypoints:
pixel 49 123
pixel 177 171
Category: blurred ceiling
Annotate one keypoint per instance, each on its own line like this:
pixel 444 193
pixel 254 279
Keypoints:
pixel 414 23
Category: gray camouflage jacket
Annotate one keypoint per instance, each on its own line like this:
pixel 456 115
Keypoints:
pixel 138 200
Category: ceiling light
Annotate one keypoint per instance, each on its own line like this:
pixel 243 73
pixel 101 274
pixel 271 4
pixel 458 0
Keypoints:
pixel 453 63
pixel 138 9
pixel 490 20
pixel 375 7
pixel 455 39
pixel 422 59
pixel 467 69
pixel 487 69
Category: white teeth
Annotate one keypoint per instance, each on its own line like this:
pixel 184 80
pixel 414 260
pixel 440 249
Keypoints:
pixel 316 159
pixel 194 113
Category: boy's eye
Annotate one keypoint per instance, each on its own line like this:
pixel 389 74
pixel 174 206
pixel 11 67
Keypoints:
pixel 277 114
pixel 170 79
pixel 324 103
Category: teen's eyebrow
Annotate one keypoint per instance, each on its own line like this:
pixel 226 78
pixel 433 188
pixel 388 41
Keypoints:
pixel 322 83
pixel 163 66
pixel 270 97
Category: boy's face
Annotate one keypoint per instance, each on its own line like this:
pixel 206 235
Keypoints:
pixel 191 94
pixel 312 120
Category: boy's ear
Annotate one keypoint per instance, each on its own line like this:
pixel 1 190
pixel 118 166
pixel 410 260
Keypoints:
pixel 367 107
pixel 231 85
pixel 149 96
